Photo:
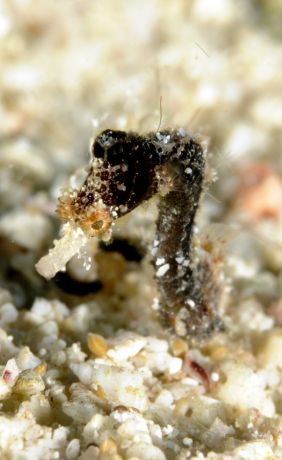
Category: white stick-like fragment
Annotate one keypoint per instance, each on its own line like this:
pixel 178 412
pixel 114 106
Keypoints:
pixel 162 270
pixel 65 248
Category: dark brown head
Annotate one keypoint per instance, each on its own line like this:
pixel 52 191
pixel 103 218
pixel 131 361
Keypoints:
pixel 126 170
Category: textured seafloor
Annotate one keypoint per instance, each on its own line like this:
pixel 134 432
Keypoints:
pixel 86 370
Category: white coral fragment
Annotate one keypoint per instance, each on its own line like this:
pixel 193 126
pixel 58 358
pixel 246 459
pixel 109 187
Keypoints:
pixel 72 241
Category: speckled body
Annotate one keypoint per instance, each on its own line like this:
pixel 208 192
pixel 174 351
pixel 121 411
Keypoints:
pixel 127 169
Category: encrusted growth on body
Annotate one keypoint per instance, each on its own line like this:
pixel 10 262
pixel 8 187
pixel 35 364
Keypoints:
pixel 125 170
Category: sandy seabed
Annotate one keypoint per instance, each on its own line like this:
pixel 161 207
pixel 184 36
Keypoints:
pixel 86 370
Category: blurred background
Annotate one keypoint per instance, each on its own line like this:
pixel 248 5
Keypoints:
pixel 71 68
